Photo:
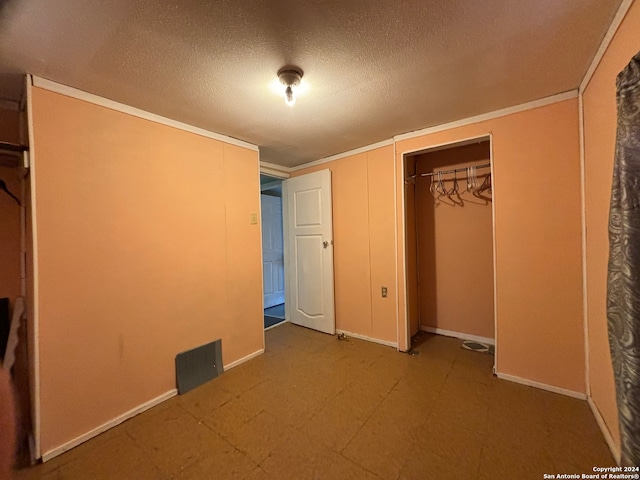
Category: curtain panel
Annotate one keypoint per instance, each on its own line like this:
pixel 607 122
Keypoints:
pixel 623 283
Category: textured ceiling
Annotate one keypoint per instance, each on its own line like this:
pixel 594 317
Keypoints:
pixel 373 69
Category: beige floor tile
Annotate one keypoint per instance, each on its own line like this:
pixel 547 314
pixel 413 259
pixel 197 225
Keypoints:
pixel 287 402
pixel 116 459
pixel 463 404
pixel 310 460
pixel 383 444
pixel 419 394
pixel 348 354
pixel 342 417
pixel 576 452
pixel 226 462
pixel 315 407
pixel 36 473
pixel 260 436
pixel 438 346
pixel 232 415
pixel 241 378
pixel 259 474
pixel 465 367
pixel 174 439
pixel 202 400
pixel 457 444
pixel 501 460
pixel 427 465
pixel 569 415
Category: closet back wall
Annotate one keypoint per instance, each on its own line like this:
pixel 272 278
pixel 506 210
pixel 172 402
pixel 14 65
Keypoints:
pixel 9 125
pixel 9 213
pixel 455 247
pixel 10 283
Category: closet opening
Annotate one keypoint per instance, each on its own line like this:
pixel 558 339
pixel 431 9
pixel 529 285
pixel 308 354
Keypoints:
pixel 450 244
pixel 15 356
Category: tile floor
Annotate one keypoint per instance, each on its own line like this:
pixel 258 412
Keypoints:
pixel 315 407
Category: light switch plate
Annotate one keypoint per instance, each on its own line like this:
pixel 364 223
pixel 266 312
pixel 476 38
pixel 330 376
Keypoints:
pixel 254 218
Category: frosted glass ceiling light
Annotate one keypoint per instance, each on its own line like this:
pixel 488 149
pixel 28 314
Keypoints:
pixel 289 99
pixel 290 77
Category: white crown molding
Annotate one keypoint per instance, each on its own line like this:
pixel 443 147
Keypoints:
pixel 136 112
pixel 561 97
pixel 543 102
pixel 613 28
pixel 338 156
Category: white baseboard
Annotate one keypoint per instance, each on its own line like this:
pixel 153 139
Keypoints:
pixel 106 426
pixel 368 339
pixel 460 335
pixel 615 450
pixel 542 386
pixel 243 359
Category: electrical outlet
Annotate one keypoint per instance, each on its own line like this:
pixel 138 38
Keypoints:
pixel 254 218
pixel 384 292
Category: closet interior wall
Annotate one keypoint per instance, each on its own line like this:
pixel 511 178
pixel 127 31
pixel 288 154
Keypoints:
pixel 10 241
pixel 454 245
pixel 11 244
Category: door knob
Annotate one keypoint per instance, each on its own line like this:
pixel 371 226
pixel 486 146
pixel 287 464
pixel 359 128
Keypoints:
pixel 325 244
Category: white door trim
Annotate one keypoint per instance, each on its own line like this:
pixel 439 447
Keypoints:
pixel 34 359
pixel 273 170
pixel 452 144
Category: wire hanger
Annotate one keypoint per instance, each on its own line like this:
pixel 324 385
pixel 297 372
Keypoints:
pixel 3 187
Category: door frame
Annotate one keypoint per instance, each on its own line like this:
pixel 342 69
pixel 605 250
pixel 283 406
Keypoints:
pixel 276 175
pixel 273 200
pixel 403 218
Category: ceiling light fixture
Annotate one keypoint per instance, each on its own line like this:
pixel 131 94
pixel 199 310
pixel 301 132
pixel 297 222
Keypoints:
pixel 290 77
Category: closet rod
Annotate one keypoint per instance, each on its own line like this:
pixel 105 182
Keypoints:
pixel 445 172
pixel 6 147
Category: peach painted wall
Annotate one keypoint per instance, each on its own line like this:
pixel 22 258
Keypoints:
pixel 600 117
pixel 538 239
pixel 455 246
pixel 364 242
pixel 145 250
pixel 10 281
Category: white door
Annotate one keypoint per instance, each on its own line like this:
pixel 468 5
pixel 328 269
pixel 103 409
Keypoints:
pixel 309 251
pixel 272 251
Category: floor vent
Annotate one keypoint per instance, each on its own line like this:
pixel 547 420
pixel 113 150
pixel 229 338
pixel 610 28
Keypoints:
pixel 198 365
